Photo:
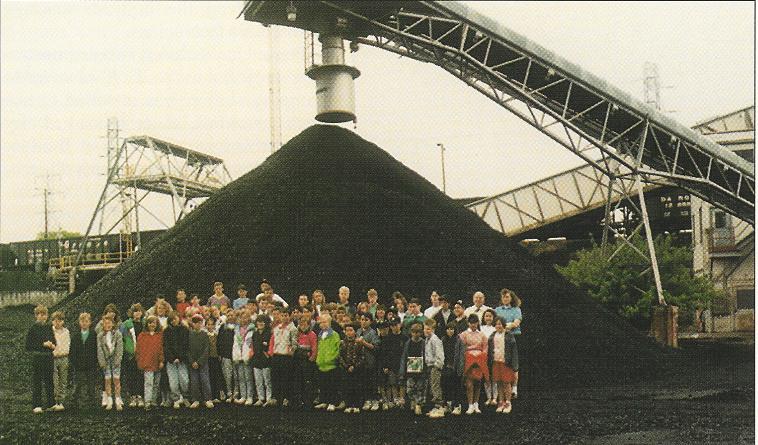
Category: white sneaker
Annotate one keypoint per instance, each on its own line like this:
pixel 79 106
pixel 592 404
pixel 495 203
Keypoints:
pixel 367 405
pixel 320 406
pixel 375 406
pixel 330 408
pixel 132 402
pixel 348 410
pixel 195 405
pixel 356 410
pixel 230 399
pixel 177 405
pixel 119 404
pixel 249 402
pixel 341 405
pixel 285 403
pixel 109 404
pixel 38 410
pixel 209 404
pixel 105 400
pixel 258 402
pixel 186 402
pixel 514 391
pixel 239 401
pixel 385 406
pixel 499 409
pixel 417 410
pixel 140 402
pixel 507 408
pixel 470 410
pixel 457 410
pixel 476 408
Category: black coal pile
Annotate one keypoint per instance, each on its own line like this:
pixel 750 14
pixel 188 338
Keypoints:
pixel 331 209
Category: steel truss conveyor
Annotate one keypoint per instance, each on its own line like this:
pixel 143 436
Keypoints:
pixel 552 199
pixel 573 107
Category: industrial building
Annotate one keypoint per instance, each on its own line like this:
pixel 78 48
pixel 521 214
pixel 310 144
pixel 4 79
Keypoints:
pixel 723 244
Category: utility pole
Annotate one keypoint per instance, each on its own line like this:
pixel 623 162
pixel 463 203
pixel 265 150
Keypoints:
pixel 46 191
pixel 442 156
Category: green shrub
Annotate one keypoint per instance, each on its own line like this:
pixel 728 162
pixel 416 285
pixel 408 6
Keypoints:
pixel 625 284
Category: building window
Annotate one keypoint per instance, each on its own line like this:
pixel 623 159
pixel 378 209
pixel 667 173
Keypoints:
pixel 719 219
pixel 746 298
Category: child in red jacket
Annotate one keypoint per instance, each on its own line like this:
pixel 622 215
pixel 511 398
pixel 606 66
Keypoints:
pixel 150 359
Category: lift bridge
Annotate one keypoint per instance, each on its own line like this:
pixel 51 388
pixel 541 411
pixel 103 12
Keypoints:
pixel 636 143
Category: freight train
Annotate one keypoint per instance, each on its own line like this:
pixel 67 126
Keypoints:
pixel 36 254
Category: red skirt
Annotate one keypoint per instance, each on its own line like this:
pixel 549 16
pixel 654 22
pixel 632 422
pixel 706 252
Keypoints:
pixel 502 373
pixel 475 367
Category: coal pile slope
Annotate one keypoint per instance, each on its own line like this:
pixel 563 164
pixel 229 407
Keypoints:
pixel 331 209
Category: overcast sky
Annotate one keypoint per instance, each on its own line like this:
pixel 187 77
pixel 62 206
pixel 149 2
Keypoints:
pixel 193 74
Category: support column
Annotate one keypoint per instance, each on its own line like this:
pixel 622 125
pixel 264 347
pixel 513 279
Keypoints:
pixel 650 243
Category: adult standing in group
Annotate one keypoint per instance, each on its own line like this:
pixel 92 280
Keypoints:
pixel 478 308
pixel 268 291
pixel 510 311
pixel 218 298
pixel 317 298
pixel 443 316
pixel 344 300
pixel 432 310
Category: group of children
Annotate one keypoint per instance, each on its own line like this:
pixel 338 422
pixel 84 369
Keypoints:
pixel 260 352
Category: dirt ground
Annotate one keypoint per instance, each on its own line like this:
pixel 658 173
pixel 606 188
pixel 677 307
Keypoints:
pixel 706 395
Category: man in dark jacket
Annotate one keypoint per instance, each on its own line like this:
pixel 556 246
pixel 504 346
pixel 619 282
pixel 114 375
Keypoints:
pixel 83 359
